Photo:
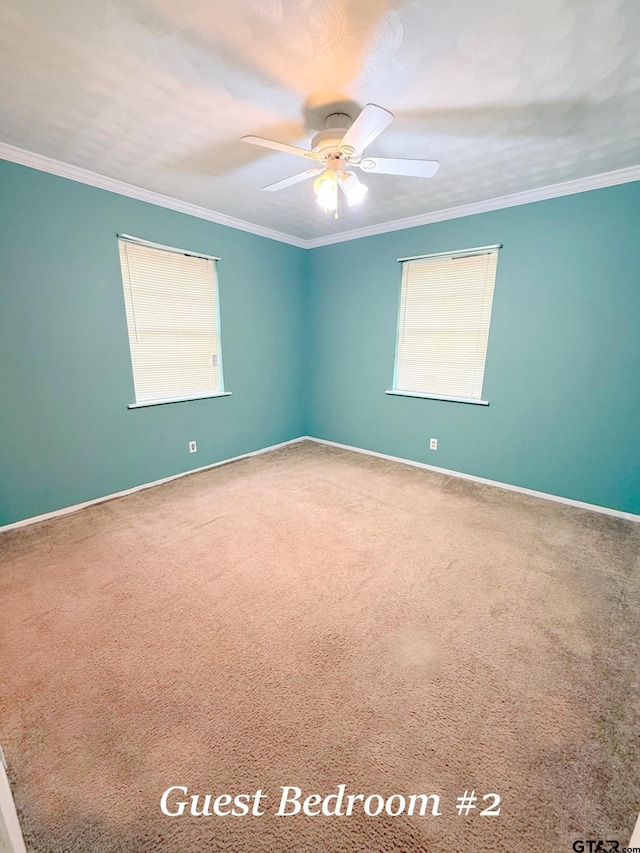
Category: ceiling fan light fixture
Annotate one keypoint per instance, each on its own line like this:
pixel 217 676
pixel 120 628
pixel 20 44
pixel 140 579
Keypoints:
pixel 353 188
pixel 326 190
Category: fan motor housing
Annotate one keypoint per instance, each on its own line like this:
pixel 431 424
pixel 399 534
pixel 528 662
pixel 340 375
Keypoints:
pixel 327 142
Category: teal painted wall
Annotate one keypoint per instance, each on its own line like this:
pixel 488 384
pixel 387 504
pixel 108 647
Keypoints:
pixel 66 435
pixel 563 364
pixel 308 345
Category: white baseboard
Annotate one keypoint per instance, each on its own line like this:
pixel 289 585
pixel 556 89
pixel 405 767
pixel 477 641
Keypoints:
pixel 617 513
pixel 66 510
pixel 635 838
pixel 11 838
pixel 629 516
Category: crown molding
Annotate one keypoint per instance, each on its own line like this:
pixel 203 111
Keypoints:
pixel 84 176
pixel 580 185
pixel 93 179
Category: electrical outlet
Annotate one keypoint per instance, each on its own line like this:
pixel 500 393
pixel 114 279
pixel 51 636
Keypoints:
pixel 193 447
pixel 433 444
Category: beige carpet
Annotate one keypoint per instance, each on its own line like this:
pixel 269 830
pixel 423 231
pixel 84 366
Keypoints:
pixel 314 617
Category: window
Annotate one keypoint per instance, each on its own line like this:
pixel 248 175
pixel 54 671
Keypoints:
pixel 171 300
pixel 443 324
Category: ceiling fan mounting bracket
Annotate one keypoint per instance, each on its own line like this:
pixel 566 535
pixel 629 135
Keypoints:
pixel 338 120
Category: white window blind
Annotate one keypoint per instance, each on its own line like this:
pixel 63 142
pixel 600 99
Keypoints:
pixel 172 317
pixel 443 324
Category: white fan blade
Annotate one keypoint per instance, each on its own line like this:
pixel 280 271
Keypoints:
pixel 399 166
pixel 294 179
pixel 367 127
pixel 280 146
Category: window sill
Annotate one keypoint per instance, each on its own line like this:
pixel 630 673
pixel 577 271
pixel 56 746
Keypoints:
pixel 438 397
pixel 177 400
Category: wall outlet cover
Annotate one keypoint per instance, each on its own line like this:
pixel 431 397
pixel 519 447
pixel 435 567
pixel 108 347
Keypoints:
pixel 433 444
pixel 193 447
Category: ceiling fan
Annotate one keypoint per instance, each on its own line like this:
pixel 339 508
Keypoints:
pixel 339 150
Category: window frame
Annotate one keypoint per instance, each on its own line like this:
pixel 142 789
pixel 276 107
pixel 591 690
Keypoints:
pixel 462 253
pixel 221 392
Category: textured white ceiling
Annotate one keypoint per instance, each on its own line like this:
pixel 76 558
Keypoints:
pixel 509 95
